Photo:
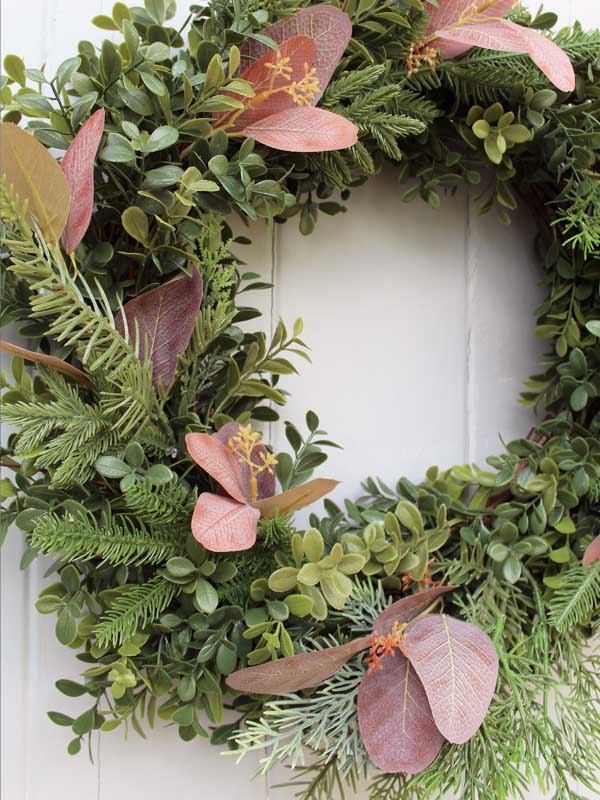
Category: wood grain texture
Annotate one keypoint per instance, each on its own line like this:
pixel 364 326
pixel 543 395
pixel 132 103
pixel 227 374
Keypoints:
pixel 449 388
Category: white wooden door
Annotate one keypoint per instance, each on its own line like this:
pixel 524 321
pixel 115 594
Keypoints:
pixel 421 327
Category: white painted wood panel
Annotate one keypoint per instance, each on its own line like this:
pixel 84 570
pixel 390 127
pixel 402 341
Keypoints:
pixel 412 364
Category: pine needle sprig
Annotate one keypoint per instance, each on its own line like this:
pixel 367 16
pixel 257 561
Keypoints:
pixel 295 726
pixel 126 382
pixel 134 609
pixel 64 432
pixel 576 600
pixel 351 84
pixel 82 538
pixel 159 504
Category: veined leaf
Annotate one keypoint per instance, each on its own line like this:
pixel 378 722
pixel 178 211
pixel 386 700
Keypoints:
pixel 223 525
pixel 56 363
pixel 78 168
pixel 297 498
pixel 163 321
pixel 215 458
pixel 457 664
pixel 266 479
pixel 304 129
pixel 408 608
pixel 36 177
pixel 300 51
pixel 447 14
pixel 506 36
pixel 296 672
pixel 329 27
pixel 395 719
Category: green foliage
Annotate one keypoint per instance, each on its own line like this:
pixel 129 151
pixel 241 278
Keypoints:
pixel 82 538
pixel 133 609
pixel 162 504
pixel 577 599
pixel 59 429
pixel 100 476
pixel 325 724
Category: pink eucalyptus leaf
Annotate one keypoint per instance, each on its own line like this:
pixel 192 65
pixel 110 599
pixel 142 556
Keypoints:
pixel 296 672
pixel 266 479
pixel 395 719
pixel 592 552
pixel 304 129
pixel 165 318
pixel 329 27
pixel 295 499
pixel 78 168
pixel 508 37
pixel 218 461
pixel 301 51
pixel 449 12
pixel 457 664
pixel 408 608
pixel 223 525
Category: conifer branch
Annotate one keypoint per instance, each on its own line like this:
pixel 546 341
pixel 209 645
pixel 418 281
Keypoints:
pixel 130 612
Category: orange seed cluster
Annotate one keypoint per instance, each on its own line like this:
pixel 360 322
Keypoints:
pixel 382 646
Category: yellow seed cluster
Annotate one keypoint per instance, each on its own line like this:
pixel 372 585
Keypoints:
pixel 304 91
pixel 280 68
pixel 243 446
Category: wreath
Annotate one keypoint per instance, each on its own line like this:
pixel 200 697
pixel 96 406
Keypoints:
pixel 433 637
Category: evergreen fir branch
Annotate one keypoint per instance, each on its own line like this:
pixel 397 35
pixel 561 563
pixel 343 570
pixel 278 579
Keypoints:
pixel 111 361
pixel 351 84
pixel 364 605
pixel 574 603
pixel 82 538
pixel 385 128
pixel 198 367
pixel 362 158
pixel 325 723
pixel 134 609
pixel 65 432
pixel 582 46
pixel 412 104
pixel 159 504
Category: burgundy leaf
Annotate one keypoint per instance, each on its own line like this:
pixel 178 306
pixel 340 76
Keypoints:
pixel 218 461
pixel 223 525
pixel 592 552
pixel 506 36
pixel 449 12
pixel 165 318
pixel 301 51
pixel 296 672
pixel 458 667
pixel 56 363
pixel 78 168
pixel 305 130
pixel 266 479
pixel 395 719
pixel 408 608
pixel 329 27
pixel 295 499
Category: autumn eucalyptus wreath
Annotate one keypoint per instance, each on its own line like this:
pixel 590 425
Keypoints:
pixel 417 637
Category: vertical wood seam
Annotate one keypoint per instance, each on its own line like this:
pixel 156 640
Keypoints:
pixel 469 421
